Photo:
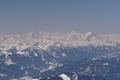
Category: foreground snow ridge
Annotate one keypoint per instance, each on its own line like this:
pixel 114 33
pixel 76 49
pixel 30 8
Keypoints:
pixel 43 40
pixel 64 77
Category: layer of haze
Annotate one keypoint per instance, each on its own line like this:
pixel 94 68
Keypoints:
pixel 21 16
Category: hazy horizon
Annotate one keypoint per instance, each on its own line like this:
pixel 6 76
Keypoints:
pixel 25 16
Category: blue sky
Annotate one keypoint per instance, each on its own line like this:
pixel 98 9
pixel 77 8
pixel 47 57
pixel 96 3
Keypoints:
pixel 21 16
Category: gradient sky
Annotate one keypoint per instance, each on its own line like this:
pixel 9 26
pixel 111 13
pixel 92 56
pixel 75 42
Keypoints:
pixel 21 16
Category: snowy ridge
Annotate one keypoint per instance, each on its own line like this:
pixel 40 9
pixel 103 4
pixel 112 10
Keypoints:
pixel 43 40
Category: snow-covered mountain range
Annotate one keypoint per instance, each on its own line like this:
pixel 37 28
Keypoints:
pixel 77 56
pixel 43 40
